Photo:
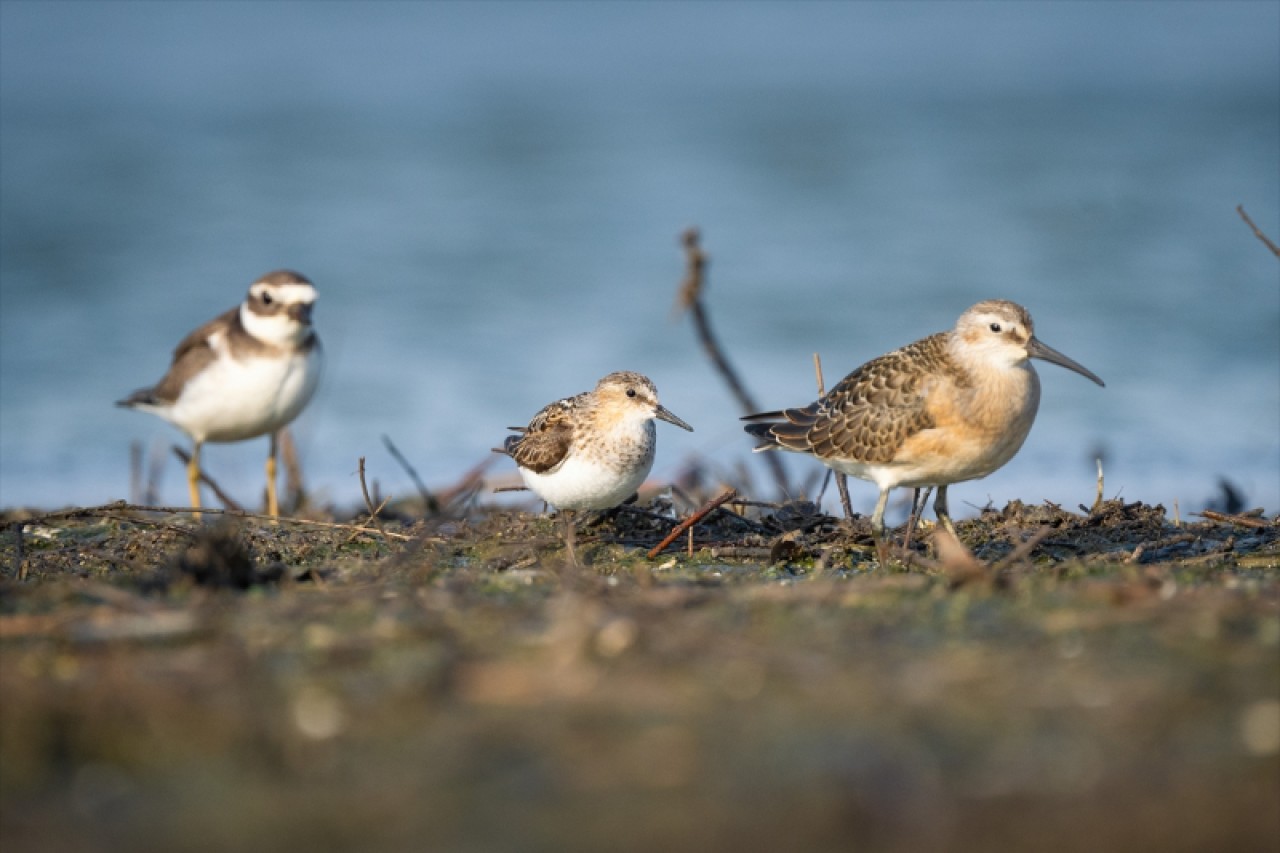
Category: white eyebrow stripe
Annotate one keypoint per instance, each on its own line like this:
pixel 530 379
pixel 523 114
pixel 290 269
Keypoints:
pixel 287 292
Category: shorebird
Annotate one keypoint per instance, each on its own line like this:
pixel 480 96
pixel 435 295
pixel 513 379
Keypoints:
pixel 246 373
pixel 952 407
pixel 591 451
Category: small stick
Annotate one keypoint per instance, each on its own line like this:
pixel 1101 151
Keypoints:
pixel 1242 520
pixel 1024 549
pixel 679 493
pixel 226 499
pixel 958 563
pixel 690 299
pixel 842 482
pixel 761 504
pixel 368 502
pixel 429 503
pixel 1257 232
pixel 1097 501
pixel 155 471
pixel 19 561
pixel 292 469
pixel 701 513
pixel 110 510
pixel 135 471
pixel 466 484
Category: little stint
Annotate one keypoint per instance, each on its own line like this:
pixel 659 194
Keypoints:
pixel 591 451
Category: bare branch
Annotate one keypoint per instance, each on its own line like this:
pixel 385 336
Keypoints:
pixel 1257 232
pixel 430 504
pixel 1242 520
pixel 690 299
pixel 701 513
pixel 292 469
pixel 114 509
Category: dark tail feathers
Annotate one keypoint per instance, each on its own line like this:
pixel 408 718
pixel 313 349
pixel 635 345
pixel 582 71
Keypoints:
pixel 141 397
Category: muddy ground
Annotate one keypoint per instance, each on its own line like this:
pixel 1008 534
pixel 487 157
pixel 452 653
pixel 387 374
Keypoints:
pixel 450 684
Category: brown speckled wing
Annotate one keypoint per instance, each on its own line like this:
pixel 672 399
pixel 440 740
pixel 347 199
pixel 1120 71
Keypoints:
pixel 546 441
pixel 871 412
pixel 192 355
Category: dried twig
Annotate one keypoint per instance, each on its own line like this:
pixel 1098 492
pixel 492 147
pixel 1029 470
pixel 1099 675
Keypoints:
pixel 958 562
pixel 429 503
pixel 292 469
pixel 468 484
pixel 155 472
pixel 1257 232
pixel 1023 550
pixel 135 471
pixel 701 513
pixel 690 299
pixel 1242 520
pixel 19 552
pixel 761 504
pixel 1097 500
pixel 368 501
pixel 227 500
pixel 112 509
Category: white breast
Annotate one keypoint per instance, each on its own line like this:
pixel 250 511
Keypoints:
pixel 581 483
pixel 233 399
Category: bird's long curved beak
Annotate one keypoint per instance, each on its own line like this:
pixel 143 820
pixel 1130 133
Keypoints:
pixel 1038 349
pixel 662 414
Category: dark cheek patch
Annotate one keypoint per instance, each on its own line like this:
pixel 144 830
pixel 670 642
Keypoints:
pixel 261 308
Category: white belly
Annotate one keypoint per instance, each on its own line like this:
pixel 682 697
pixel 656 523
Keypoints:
pixel 937 472
pixel 234 400
pixel 582 484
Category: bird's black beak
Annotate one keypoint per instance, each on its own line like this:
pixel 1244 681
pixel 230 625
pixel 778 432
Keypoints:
pixel 301 312
pixel 662 414
pixel 1037 349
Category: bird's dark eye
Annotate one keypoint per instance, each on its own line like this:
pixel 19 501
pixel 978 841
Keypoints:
pixel 631 392
pixel 266 298
pixel 995 327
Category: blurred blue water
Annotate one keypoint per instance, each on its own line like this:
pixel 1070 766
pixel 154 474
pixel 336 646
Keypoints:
pixel 489 195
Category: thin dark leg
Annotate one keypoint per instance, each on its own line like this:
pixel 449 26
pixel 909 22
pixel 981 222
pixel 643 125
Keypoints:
pixel 919 500
pixel 570 537
pixel 940 510
pixel 877 528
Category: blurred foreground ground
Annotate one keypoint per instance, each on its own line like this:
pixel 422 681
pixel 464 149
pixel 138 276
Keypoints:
pixel 461 690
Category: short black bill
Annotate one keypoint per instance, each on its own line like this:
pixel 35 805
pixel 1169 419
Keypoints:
pixel 662 414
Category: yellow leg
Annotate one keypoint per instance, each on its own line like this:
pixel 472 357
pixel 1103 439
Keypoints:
pixel 273 501
pixel 193 478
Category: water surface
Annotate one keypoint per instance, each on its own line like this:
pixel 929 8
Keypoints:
pixel 489 196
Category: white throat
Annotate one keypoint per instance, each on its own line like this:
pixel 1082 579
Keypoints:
pixel 278 329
